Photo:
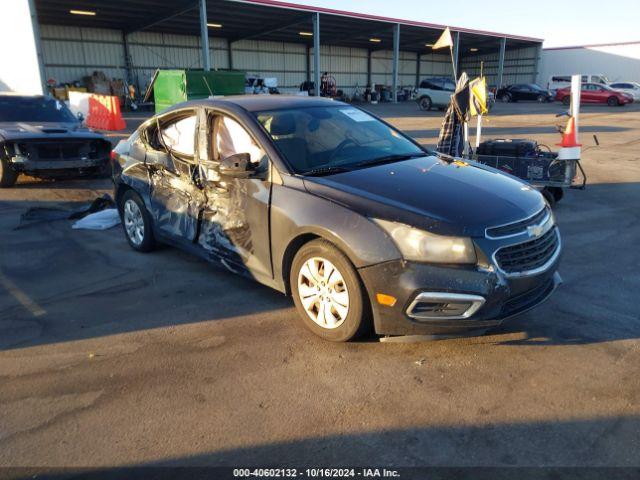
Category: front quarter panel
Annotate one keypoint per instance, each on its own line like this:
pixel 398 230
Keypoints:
pixel 296 213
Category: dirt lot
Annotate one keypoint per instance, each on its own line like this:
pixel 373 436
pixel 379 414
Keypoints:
pixel 109 357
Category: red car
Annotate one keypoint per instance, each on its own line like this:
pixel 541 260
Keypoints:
pixel 595 93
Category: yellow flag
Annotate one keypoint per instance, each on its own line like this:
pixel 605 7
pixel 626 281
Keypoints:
pixel 445 40
pixel 478 90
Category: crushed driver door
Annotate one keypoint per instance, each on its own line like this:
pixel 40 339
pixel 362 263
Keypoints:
pixel 235 220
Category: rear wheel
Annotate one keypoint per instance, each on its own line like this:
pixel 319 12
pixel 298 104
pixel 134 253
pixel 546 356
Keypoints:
pixel 506 98
pixel 613 101
pixel 8 175
pixel 425 103
pixel 136 222
pixel 328 293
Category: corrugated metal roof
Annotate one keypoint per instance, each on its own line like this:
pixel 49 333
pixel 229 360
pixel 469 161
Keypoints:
pixel 265 20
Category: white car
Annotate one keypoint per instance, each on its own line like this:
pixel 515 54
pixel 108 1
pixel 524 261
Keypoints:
pixel 632 88
pixel 557 82
pixel 435 92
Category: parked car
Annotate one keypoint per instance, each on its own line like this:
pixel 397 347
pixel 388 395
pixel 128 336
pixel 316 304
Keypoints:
pixel 556 82
pixel 595 93
pixel 632 88
pixel 40 136
pixel 325 202
pixel 524 91
pixel 435 92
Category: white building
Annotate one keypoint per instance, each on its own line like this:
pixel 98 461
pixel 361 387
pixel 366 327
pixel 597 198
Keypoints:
pixel 617 61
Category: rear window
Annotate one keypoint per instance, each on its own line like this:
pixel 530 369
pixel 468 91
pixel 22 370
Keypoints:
pixel 34 109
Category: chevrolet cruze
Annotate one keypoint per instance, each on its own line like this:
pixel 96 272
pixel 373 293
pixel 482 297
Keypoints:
pixel 363 227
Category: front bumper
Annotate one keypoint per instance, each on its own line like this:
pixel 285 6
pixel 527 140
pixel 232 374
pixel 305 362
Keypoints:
pixel 502 297
pixel 59 167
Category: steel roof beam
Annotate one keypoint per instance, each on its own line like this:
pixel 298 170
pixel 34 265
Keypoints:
pixel 176 12
pixel 273 28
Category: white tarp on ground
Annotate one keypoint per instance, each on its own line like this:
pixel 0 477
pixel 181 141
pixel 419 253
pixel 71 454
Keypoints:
pixel 101 220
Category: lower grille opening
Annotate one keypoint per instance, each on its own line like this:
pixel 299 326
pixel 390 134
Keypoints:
pixel 525 300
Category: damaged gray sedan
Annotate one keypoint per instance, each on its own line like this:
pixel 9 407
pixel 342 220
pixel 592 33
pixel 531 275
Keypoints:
pixel 327 203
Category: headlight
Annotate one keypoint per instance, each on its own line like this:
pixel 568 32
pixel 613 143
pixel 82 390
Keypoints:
pixel 423 246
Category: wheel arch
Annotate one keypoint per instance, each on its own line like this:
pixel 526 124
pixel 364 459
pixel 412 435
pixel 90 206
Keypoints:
pixel 296 243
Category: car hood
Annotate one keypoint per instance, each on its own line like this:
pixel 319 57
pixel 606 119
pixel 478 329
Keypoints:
pixel 432 193
pixel 40 130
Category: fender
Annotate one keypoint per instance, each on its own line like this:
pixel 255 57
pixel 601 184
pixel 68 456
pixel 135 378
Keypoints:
pixel 308 215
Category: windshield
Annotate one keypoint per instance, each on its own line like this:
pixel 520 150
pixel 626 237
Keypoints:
pixel 335 137
pixel 34 109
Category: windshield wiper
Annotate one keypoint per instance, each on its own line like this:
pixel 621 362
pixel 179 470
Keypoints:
pixel 327 170
pixel 389 159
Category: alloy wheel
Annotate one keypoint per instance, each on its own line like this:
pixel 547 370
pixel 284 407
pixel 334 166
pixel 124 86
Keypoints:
pixel 133 222
pixel 323 292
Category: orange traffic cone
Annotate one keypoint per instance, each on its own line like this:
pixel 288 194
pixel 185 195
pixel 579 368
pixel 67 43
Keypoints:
pixel 569 136
pixel 570 148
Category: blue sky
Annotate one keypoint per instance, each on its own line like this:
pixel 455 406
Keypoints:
pixel 559 22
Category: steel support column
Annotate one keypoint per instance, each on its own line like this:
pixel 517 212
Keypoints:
pixel 316 52
pixel 536 64
pixel 204 36
pixel 503 46
pixel 419 61
pixel 369 84
pixel 396 61
pixel 307 63
pixel 127 59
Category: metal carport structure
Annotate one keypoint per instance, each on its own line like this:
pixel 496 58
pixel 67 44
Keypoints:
pixel 273 21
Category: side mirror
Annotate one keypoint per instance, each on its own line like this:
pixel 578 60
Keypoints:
pixel 237 166
pixel 80 117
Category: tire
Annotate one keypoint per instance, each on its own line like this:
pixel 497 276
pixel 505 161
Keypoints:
pixel 425 103
pixel 541 99
pixel 136 222
pixel 557 193
pixel 613 101
pixel 566 100
pixel 506 98
pixel 8 175
pixel 337 314
pixel 549 197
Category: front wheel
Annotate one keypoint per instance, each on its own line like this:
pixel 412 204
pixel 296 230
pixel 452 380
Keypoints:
pixel 8 175
pixel 541 99
pixel 612 102
pixel 328 293
pixel 136 222
pixel 506 98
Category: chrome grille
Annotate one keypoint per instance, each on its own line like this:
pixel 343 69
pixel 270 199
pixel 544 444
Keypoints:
pixel 518 227
pixel 528 256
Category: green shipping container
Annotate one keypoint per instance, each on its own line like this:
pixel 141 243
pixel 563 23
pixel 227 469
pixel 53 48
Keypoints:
pixel 175 86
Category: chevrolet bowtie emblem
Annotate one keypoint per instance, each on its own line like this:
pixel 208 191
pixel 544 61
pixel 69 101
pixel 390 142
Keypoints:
pixel 535 230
